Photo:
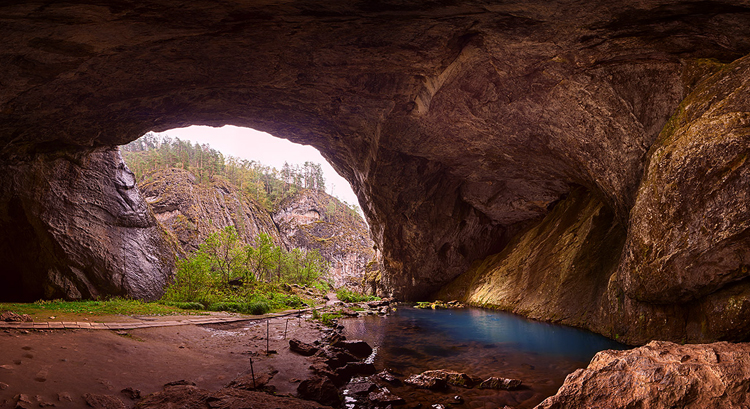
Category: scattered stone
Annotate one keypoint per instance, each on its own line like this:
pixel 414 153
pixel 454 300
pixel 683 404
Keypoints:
pixel 458 400
pixel 388 377
pixel 385 397
pixel 376 304
pixel 122 333
pixel 4 386
pixel 357 347
pixel 64 397
pixel 131 393
pixel 243 399
pixel 494 382
pixel 361 388
pixel 348 312
pixel 103 401
pixel 438 406
pixel 320 389
pixel 177 396
pixel 302 348
pixel 41 376
pixel 7 367
pixel 23 401
pixel 247 382
pixel 10 316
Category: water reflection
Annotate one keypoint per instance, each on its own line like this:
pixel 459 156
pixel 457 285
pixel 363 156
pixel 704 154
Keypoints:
pixel 482 343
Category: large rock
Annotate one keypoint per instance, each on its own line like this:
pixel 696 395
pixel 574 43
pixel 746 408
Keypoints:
pixel 75 226
pixel 660 375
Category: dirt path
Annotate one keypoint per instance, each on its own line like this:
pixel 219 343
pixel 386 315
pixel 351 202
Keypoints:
pixel 60 366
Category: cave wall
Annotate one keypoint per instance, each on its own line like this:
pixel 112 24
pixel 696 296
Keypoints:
pixel 459 124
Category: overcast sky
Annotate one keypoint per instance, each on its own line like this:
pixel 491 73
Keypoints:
pixel 259 146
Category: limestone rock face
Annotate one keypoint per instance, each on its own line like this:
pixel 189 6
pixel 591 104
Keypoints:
pixel 192 211
pixel 314 220
pixel 660 375
pixel 76 227
pixel 461 126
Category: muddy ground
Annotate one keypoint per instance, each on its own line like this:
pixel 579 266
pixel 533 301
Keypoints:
pixel 60 366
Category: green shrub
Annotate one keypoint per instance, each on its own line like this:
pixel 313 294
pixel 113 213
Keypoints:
pixel 257 308
pixel 346 295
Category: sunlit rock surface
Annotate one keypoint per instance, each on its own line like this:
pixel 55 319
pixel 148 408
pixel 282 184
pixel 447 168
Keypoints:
pixel 660 375
pixel 459 124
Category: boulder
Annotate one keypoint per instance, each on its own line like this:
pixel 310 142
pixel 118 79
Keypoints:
pixel 660 375
pixel 302 348
pixel 320 389
pixel 10 316
pixel 357 347
pixel 437 379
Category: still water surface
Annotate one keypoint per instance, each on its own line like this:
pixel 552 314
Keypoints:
pixel 480 343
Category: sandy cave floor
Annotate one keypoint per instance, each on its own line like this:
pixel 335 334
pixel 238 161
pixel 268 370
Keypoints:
pixel 51 366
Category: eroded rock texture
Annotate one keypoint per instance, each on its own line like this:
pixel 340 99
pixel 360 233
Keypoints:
pixel 660 375
pixel 461 126
pixel 74 226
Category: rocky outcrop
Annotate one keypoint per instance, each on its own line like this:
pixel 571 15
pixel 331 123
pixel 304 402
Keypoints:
pixel 193 210
pixel 461 126
pixel 314 220
pixel 677 270
pixel 74 226
pixel 660 375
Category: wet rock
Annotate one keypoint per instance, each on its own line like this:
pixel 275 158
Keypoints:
pixel 10 316
pixel 357 347
pixel 426 382
pixel 355 368
pixel 494 382
pixel 361 388
pixel 320 389
pixel 385 397
pixel 103 401
pixel 302 348
pixel 423 380
pixel 660 375
pixel 248 382
pixel 386 376
pixel 378 303
pixel 336 357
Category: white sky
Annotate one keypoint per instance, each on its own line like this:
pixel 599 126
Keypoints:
pixel 269 150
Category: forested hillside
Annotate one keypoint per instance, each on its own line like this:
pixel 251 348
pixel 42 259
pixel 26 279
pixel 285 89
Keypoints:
pixel 197 193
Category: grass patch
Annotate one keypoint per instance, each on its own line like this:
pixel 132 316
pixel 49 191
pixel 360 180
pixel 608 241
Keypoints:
pixel 114 306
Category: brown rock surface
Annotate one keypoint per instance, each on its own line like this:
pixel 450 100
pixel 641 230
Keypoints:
pixel 459 125
pixel 193 210
pixel 314 220
pixel 660 375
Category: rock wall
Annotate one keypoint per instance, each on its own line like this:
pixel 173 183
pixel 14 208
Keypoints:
pixel 678 270
pixel 192 211
pixel 74 226
pixel 317 221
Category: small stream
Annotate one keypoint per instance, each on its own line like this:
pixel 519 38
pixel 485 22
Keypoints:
pixel 481 343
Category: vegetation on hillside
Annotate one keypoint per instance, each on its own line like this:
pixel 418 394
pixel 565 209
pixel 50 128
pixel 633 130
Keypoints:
pixel 229 274
pixel 266 185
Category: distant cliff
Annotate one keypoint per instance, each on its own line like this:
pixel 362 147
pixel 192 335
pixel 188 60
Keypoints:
pixel 308 219
pixel 315 220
